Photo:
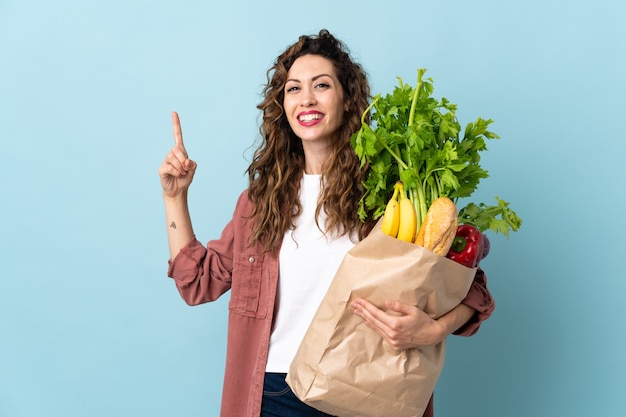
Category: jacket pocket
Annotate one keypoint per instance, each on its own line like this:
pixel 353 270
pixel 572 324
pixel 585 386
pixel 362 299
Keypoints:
pixel 247 281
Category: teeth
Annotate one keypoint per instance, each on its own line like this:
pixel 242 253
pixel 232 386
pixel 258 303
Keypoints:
pixel 310 117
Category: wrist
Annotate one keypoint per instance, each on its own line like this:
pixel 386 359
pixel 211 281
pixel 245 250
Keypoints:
pixel 176 197
pixel 455 319
pixel 441 330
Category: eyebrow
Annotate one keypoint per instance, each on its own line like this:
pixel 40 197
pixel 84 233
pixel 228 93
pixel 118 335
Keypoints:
pixel 313 79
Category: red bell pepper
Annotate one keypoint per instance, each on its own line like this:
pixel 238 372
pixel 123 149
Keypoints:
pixel 468 246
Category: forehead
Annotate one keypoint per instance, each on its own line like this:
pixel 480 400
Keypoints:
pixel 310 66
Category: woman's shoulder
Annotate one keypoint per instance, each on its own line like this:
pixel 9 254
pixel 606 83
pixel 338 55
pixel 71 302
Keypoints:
pixel 244 198
pixel 244 204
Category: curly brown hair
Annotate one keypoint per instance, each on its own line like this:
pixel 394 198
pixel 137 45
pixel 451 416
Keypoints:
pixel 278 163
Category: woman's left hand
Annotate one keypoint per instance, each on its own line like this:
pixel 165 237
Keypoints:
pixel 404 327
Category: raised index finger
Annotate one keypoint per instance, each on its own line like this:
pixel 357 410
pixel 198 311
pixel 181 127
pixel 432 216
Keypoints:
pixel 178 132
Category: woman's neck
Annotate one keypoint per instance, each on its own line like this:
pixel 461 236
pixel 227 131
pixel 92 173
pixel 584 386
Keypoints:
pixel 314 157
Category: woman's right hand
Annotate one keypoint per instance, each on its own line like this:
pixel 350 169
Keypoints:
pixel 177 170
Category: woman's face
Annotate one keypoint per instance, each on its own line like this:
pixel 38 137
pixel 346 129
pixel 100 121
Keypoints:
pixel 314 100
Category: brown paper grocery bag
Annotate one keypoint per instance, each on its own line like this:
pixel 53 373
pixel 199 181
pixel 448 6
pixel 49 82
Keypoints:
pixel 344 368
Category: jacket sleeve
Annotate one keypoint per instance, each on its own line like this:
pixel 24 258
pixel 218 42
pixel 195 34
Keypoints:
pixel 202 274
pixel 480 299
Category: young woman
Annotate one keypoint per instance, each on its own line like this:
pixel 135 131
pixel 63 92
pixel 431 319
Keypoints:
pixel 290 230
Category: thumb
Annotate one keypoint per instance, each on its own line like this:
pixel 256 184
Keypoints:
pixel 190 166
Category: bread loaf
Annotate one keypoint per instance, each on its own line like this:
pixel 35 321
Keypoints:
pixel 438 229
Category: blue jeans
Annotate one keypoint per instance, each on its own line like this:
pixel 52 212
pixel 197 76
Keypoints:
pixel 280 401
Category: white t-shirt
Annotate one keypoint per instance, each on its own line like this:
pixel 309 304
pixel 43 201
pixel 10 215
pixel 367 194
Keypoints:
pixel 308 261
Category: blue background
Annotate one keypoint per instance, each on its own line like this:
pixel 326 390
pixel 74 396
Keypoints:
pixel 91 326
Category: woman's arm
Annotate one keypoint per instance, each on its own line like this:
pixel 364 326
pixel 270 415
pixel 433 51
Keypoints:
pixel 179 228
pixel 408 326
pixel 176 173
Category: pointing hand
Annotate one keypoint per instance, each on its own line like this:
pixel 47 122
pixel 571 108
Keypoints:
pixel 177 170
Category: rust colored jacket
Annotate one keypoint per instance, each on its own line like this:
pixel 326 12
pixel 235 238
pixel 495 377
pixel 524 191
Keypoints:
pixel 202 274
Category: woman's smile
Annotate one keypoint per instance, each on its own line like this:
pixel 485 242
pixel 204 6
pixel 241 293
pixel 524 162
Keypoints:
pixel 310 118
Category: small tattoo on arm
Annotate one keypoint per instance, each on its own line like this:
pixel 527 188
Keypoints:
pixel 173 225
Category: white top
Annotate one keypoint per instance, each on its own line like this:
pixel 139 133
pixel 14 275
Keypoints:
pixel 308 261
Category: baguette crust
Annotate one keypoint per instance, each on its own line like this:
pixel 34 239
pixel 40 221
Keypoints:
pixel 438 230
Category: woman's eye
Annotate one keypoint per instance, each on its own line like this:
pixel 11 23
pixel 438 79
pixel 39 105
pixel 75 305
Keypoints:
pixel 322 85
pixel 290 89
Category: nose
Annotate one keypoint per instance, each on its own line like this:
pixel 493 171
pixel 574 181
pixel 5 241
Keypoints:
pixel 308 97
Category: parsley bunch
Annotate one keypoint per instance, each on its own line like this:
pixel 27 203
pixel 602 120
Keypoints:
pixel 414 138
